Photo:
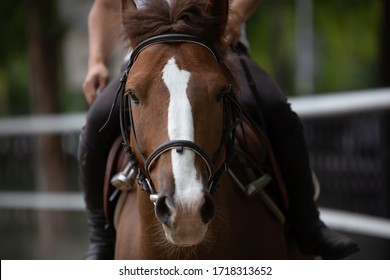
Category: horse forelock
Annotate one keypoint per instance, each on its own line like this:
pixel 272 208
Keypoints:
pixel 158 17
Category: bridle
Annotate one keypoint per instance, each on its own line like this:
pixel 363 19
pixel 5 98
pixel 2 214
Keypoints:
pixel 232 116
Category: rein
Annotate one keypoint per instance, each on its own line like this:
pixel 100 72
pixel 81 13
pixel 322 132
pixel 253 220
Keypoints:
pixel 232 116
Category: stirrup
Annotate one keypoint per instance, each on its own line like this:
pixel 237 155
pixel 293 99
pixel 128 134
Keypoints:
pixel 254 186
pixel 124 180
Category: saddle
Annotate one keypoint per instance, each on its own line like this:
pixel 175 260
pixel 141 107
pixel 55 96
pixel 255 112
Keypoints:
pixel 255 170
pixel 115 172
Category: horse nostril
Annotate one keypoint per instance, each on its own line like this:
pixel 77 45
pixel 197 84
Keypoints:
pixel 163 210
pixel 207 211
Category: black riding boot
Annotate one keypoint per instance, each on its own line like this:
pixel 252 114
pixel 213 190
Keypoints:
pixel 102 237
pixel 312 235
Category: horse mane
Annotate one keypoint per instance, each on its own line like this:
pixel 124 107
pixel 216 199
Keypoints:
pixel 158 17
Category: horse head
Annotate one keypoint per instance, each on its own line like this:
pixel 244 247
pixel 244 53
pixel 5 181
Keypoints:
pixel 176 102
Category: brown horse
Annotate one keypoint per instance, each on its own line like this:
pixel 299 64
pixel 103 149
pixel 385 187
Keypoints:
pixel 178 102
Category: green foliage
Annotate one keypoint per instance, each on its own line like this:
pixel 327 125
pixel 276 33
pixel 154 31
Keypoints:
pixel 346 47
pixel 271 35
pixel 346 42
pixel 14 98
pixel 13 29
pixel 13 69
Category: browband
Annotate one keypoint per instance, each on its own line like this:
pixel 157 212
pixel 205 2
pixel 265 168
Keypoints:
pixel 172 38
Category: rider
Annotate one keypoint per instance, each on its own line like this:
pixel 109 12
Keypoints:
pixel 284 131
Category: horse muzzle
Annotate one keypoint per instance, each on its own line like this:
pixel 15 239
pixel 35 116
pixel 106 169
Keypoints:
pixel 185 225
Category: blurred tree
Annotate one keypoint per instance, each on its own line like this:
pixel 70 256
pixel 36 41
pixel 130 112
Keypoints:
pixel 43 46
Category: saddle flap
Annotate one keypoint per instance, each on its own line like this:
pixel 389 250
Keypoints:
pixel 116 161
pixel 259 163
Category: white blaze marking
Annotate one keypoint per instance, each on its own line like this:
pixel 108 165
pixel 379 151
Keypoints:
pixel 181 127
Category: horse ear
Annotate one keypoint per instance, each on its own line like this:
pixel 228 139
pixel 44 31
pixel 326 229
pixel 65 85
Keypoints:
pixel 127 5
pixel 219 8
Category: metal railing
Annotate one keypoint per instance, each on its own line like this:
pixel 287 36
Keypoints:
pixel 308 107
pixel 332 104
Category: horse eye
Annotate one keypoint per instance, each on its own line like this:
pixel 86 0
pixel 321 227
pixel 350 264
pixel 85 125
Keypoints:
pixel 133 97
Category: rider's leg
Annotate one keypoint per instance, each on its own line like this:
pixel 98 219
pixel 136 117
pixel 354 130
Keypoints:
pixel 94 147
pixel 286 135
pixel 313 236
